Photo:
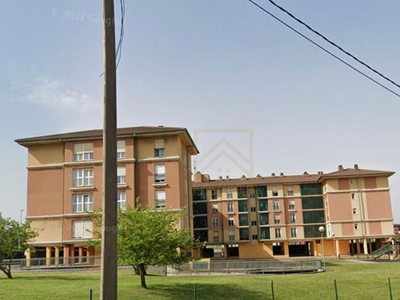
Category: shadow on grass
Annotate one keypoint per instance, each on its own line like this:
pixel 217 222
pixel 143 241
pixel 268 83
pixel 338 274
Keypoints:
pixel 191 291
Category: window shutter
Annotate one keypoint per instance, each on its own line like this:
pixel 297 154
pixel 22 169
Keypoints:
pixel 158 144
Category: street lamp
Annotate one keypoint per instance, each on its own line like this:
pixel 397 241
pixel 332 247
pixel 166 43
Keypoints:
pixel 334 245
pixel 322 230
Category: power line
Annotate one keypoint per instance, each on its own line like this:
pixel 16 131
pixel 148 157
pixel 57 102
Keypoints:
pixel 323 49
pixel 121 36
pixel 333 44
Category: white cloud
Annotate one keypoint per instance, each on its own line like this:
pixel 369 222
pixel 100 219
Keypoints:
pixel 55 95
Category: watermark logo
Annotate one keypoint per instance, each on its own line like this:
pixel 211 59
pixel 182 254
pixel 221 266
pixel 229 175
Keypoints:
pixel 224 152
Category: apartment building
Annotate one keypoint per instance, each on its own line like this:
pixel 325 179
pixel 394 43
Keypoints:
pixel 344 212
pixel 65 182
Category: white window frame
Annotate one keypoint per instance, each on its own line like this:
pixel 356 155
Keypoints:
pixel 290 191
pixel 292 218
pixel 82 203
pixel 214 208
pixel 231 222
pixel 291 205
pixel 275 191
pixel 231 207
pixel 253 223
pixel 83 151
pixel 353 196
pixel 276 205
pixel 278 233
pixel 229 194
pixel 160 199
pixel 121 200
pixel 82 229
pixel 231 235
pixel 121 149
pixel 215 222
pixel 121 175
pixel 159 173
pixel 293 232
pixel 159 148
pixel 82 177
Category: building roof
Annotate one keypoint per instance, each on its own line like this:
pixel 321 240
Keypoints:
pixel 281 179
pixel 356 172
pixel 98 134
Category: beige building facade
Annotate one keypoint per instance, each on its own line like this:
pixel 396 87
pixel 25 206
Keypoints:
pixel 65 183
pixel 346 212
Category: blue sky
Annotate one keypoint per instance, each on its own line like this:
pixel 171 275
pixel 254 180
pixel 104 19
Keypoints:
pixel 207 65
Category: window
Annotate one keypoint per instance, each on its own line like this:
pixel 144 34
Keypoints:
pixel 351 181
pixel 231 235
pixel 253 209
pixel 292 218
pixel 159 148
pixel 215 222
pixel 290 190
pixel 253 223
pixel 121 200
pixel 291 205
pixel 274 191
pixel 252 195
pixel 254 237
pixel 354 211
pixel 230 208
pixel 244 234
pixel 353 196
pixel 229 194
pixel 199 194
pixel 278 234
pixel 264 233
pixel 231 222
pixel 159 173
pixel 200 208
pixel 82 203
pixel 263 205
pixel 243 206
pixel 214 194
pixel 215 236
pixel 83 152
pixel 276 205
pixel 214 208
pixel 243 220
pixel 121 175
pixel 200 222
pixel 242 192
pixel 356 226
pixel 293 232
pixel 262 192
pixel 264 220
pixel 121 152
pixel 277 219
pixel 82 229
pixel 160 199
pixel 82 177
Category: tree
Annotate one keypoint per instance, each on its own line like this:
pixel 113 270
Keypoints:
pixel 14 239
pixel 150 238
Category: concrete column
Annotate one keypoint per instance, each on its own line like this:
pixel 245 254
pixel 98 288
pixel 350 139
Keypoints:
pixel 358 247
pixel 365 244
pixel 80 254
pixel 337 248
pixel 48 255
pixel 286 248
pixel 66 255
pixel 28 258
pixel 56 255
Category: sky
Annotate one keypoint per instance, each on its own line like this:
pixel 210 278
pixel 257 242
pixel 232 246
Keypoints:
pixel 256 97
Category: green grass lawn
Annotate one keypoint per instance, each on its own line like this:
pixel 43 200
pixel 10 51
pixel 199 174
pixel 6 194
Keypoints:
pixel 355 280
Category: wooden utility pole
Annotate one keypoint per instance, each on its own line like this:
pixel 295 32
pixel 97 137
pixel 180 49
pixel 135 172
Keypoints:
pixel 109 264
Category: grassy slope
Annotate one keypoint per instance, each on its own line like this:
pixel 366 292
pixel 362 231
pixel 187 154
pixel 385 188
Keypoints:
pixel 354 281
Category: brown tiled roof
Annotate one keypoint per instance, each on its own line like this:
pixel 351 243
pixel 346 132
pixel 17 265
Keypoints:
pixel 98 134
pixel 309 178
pixel 348 173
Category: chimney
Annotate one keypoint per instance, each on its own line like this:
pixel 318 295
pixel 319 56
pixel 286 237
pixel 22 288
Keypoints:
pixel 282 174
pixel 272 174
pixel 220 177
pixel 356 167
pixel 305 173
pixel 259 176
pixel 227 177
pixel 340 168
pixel 243 177
pixel 198 177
